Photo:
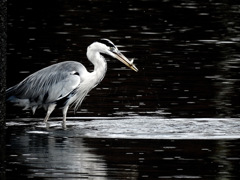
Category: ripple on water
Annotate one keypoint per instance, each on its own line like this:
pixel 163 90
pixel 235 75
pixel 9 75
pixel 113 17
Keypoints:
pixel 142 127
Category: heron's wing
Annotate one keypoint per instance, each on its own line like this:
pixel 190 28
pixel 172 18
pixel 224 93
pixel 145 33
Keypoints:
pixel 51 83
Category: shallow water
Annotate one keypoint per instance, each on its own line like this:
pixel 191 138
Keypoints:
pixel 142 127
pixel 177 118
pixel 130 148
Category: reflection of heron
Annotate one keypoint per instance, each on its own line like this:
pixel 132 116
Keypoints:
pixel 66 83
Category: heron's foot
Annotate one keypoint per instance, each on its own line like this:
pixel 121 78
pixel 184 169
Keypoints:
pixel 45 120
pixel 47 125
pixel 64 126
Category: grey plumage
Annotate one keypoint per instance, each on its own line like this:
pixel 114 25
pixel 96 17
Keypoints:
pixel 48 85
pixel 66 83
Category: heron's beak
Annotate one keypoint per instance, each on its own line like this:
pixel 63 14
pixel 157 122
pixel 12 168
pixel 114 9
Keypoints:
pixel 124 60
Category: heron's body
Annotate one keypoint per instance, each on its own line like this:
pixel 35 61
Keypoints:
pixel 62 84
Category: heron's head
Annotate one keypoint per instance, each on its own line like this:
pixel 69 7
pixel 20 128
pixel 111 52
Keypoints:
pixel 106 46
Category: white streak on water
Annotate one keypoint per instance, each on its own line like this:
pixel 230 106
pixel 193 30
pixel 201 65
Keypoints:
pixel 141 127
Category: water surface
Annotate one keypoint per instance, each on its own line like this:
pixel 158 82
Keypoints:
pixel 130 148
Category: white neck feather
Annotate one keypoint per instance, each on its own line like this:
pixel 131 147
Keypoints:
pixel 90 80
pixel 100 65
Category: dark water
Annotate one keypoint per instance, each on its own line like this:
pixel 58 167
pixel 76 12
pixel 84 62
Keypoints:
pixel 187 52
pixel 188 57
pixel 110 149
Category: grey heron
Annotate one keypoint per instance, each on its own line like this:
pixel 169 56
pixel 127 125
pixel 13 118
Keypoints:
pixel 66 83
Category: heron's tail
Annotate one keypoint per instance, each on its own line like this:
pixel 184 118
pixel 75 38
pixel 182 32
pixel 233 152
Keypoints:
pixel 12 98
pixel 10 93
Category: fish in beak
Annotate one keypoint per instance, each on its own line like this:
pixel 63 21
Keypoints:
pixel 129 63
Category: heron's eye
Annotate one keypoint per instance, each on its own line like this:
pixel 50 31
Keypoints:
pixel 112 49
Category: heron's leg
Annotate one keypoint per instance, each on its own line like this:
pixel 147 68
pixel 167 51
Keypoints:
pixel 50 109
pixel 65 109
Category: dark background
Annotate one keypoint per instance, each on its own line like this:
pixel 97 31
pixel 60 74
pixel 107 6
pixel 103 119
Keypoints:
pixel 187 53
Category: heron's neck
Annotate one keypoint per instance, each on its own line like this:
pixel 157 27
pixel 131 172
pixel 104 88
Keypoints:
pixel 100 65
